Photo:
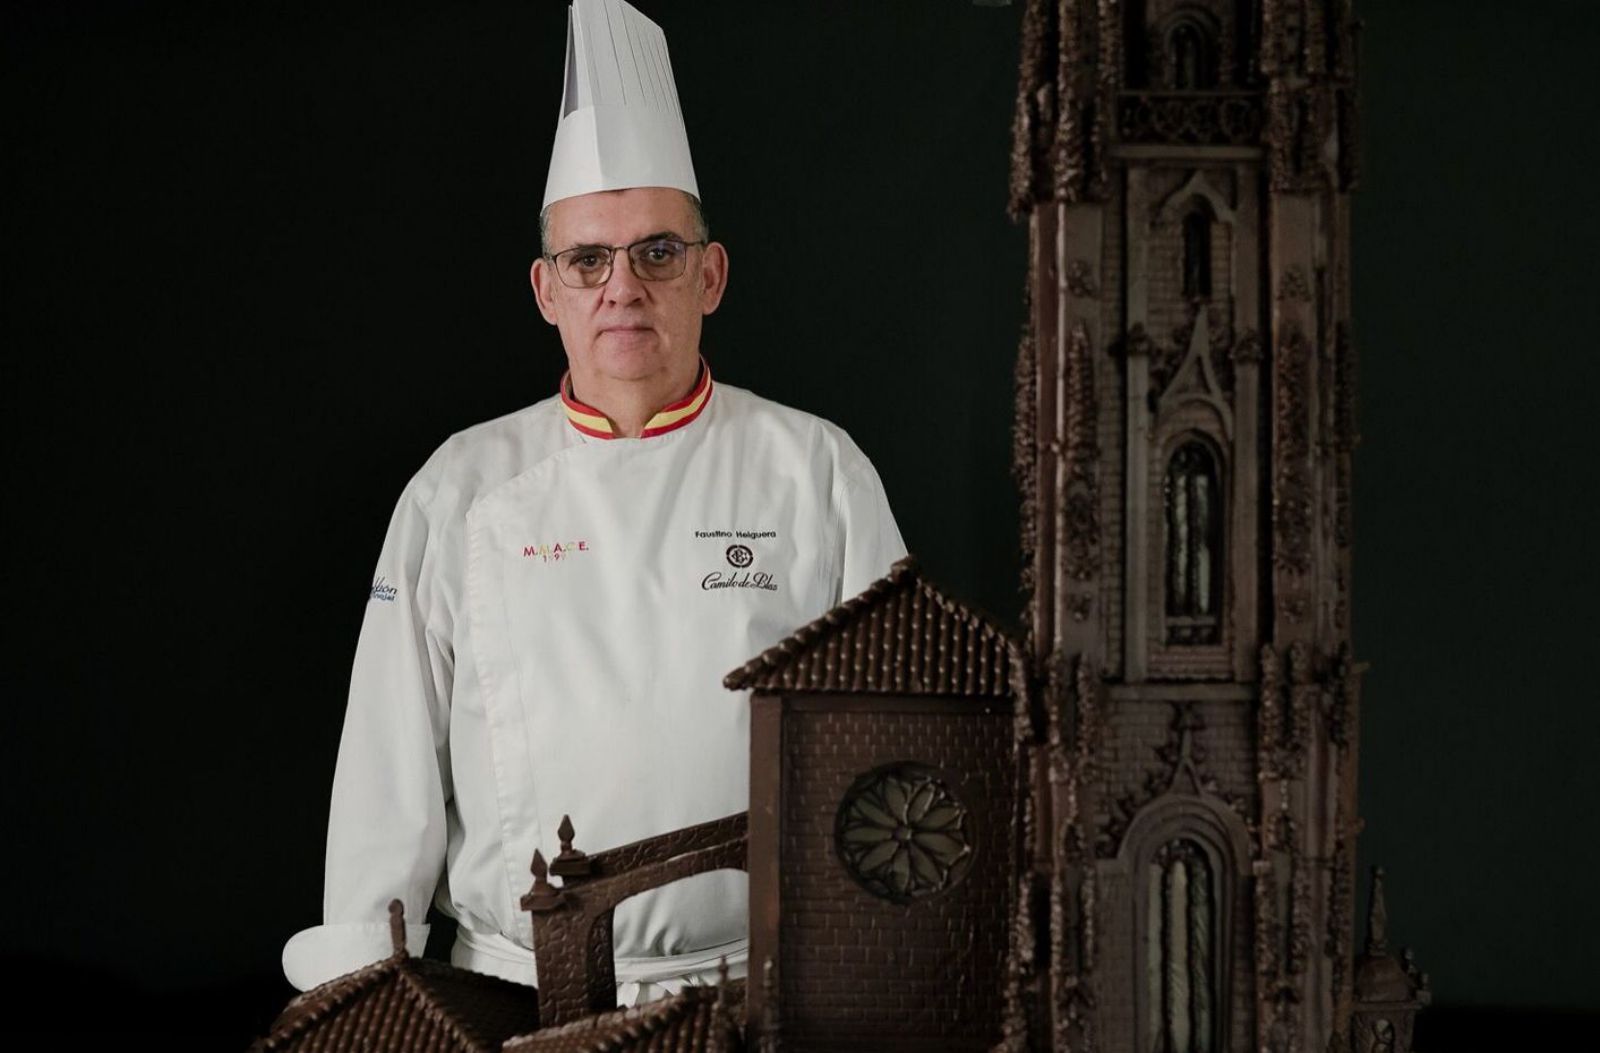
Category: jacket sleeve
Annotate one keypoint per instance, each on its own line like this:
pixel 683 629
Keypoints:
pixel 386 827
pixel 870 539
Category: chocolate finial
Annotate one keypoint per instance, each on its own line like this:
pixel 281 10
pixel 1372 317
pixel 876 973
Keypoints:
pixel 1377 917
pixel 397 928
pixel 722 1022
pixel 772 1021
pixel 543 897
pixel 569 863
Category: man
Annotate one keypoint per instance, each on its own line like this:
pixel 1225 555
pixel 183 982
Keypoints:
pixel 562 589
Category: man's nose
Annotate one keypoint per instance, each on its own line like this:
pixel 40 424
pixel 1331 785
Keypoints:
pixel 623 286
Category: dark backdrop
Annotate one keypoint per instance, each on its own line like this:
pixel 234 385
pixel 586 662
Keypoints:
pixel 260 259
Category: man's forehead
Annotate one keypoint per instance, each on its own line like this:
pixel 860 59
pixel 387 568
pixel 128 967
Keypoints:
pixel 618 217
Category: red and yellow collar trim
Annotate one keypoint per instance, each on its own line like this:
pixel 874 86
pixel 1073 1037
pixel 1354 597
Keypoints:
pixel 592 422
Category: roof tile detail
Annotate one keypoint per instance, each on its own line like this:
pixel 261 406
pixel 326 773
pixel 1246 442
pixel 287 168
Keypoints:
pixel 688 1022
pixel 405 1005
pixel 900 636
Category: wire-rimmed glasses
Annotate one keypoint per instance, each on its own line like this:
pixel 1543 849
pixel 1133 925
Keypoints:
pixel 655 259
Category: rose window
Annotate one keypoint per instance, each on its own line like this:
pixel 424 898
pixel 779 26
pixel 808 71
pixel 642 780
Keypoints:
pixel 902 834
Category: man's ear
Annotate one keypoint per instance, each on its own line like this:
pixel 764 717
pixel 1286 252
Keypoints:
pixel 713 276
pixel 542 277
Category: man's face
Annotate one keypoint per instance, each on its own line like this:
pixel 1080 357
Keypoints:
pixel 629 329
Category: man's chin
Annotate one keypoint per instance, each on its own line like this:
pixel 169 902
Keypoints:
pixel 628 359
pixel 627 341
pixel 628 351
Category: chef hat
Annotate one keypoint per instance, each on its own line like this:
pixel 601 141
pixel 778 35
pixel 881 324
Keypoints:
pixel 620 122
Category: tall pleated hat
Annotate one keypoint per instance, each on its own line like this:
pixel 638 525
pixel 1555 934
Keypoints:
pixel 621 125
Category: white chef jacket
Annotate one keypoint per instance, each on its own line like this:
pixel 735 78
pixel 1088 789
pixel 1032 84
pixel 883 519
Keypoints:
pixel 549 625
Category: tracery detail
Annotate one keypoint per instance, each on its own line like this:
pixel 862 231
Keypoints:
pixel 902 834
pixel 1194 567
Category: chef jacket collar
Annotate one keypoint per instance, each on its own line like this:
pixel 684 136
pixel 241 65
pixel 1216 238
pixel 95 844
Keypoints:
pixel 592 422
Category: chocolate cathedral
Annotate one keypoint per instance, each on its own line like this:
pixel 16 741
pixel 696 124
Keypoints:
pixel 1134 829
pixel 1185 431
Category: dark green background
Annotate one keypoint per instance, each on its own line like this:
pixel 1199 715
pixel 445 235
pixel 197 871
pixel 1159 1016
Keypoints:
pixel 260 259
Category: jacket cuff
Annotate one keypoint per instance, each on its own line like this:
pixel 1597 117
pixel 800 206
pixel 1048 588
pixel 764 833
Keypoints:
pixel 325 952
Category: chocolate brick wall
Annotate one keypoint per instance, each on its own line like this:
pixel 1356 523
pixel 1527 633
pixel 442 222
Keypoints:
pixel 859 971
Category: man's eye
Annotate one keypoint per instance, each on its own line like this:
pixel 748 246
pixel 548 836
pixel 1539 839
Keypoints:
pixel 661 251
pixel 589 261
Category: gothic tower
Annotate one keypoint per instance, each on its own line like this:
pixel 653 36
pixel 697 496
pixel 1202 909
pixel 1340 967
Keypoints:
pixel 1184 437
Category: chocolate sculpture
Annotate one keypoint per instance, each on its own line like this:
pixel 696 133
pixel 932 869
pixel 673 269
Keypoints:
pixel 1136 829
pixel 1185 431
pixel 883 823
pixel 404 1004
pixel 1184 443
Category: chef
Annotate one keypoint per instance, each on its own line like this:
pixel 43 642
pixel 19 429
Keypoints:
pixel 562 589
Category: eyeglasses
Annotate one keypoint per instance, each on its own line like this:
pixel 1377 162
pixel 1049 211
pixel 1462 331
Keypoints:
pixel 652 260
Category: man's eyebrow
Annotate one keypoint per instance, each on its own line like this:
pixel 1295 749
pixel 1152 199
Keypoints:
pixel 657 236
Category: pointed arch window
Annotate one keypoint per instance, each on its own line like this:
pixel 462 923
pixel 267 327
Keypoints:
pixel 1181 955
pixel 1197 255
pixel 1191 57
pixel 1194 566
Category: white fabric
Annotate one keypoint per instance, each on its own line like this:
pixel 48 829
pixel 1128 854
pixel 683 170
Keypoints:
pixel 500 683
pixel 638 979
pixel 620 125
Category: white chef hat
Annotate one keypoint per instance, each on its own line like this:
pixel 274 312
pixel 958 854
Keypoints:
pixel 620 122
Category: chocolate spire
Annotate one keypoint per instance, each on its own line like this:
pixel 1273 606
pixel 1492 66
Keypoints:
pixel 1377 917
pixel 397 928
pixel 722 1023
pixel 543 896
pixel 772 1022
pixel 569 863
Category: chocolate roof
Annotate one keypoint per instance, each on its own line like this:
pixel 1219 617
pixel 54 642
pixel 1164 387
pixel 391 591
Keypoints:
pixel 687 1022
pixel 1382 979
pixel 899 636
pixel 405 1005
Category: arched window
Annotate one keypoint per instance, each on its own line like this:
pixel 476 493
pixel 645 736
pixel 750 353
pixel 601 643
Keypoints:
pixel 1191 58
pixel 1197 255
pixel 1193 499
pixel 1181 949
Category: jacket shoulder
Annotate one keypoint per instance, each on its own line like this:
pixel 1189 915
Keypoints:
pixel 483 456
pixel 825 438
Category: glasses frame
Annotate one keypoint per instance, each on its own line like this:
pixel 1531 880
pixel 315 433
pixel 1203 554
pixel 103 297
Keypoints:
pixel 611 260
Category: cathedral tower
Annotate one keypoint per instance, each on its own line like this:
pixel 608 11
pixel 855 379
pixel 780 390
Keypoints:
pixel 1184 437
